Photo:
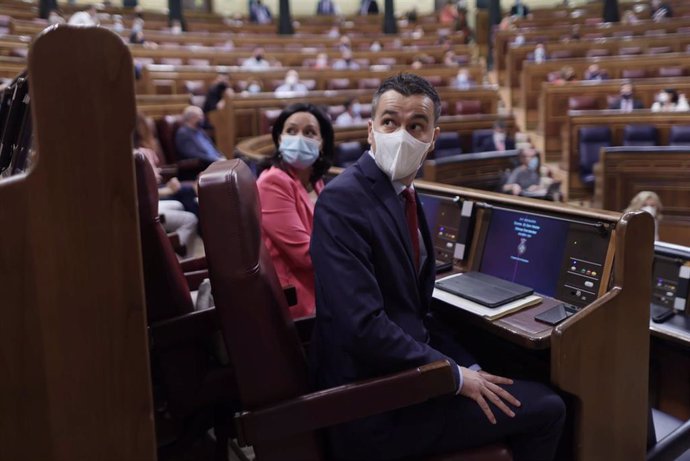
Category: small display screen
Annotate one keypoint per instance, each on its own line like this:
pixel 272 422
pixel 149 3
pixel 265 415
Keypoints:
pixel 664 281
pixel 443 218
pixel 556 257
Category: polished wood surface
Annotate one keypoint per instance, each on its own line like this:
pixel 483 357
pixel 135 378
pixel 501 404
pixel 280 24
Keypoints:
pixel 554 102
pixel 616 121
pixel 623 173
pixel 74 362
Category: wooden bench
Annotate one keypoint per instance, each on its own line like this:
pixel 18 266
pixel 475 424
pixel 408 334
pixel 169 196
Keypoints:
pixel 534 75
pixel 624 171
pixel 167 79
pixel 553 34
pixel 241 116
pixel 554 102
pixel 483 170
pixel 517 55
pixel 616 121
pixel 291 58
pixel 157 106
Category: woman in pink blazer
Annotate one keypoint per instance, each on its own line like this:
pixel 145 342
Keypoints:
pixel 303 136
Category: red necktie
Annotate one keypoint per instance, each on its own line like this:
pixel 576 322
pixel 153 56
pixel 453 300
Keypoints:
pixel 411 218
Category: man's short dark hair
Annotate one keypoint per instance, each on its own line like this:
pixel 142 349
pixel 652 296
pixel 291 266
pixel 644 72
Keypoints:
pixel 408 85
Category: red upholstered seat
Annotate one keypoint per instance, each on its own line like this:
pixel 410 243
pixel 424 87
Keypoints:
pixel 582 103
pixel 188 387
pixel 280 418
pixel 368 83
pixel 673 71
pixel 634 73
pixel 468 107
pixel 339 84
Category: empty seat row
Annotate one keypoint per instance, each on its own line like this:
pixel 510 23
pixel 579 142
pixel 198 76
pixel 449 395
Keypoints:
pixel 593 138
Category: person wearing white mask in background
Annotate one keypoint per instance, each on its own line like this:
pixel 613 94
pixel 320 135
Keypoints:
pixel 292 85
pixel 462 80
pixel 666 101
pixel 303 137
pixel 374 270
pixel 352 114
pixel 525 177
pixel 651 203
pixel 539 53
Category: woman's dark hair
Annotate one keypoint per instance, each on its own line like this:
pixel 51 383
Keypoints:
pixel 324 162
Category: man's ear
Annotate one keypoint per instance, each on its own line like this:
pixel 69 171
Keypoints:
pixel 437 131
pixel 370 132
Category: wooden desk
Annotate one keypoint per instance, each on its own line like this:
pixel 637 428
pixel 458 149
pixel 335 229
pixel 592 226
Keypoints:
pixel 479 171
pixel 554 99
pixel 623 172
pixel 577 355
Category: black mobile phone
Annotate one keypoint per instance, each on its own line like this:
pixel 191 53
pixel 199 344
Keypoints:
pixel 661 316
pixel 553 316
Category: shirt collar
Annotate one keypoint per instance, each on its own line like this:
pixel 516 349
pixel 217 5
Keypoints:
pixel 398 187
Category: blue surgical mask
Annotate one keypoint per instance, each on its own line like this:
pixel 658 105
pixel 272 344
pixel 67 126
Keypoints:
pixel 533 163
pixel 298 151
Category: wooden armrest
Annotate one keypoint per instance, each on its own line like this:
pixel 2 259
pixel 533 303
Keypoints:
pixel 305 325
pixel 195 278
pixel 194 264
pixel 346 403
pixel 168 171
pixel 290 294
pixel 183 328
pixel 672 446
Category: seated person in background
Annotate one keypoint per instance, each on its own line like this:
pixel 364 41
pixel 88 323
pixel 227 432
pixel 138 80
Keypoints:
pixel 626 102
pixel 566 74
pixel 374 278
pixel 593 72
pixel 463 29
pixel 88 17
pixel 463 81
pixel 344 43
pixel 450 59
pixel 651 203
pixel 257 61
pixel 259 13
pixel 327 8
pixel 291 85
pixel 498 141
pixel 334 32
pixel 661 10
pixel 352 114
pixel 519 9
pixel 369 7
pixel 629 18
pixel 54 17
pixel 215 93
pixel 449 13
pixel 669 100
pixel 539 53
pixel 176 27
pixel 375 46
pixel 525 177
pixel 417 62
pixel 254 86
pixel 346 61
pixel 303 137
pixel 191 141
pixel 321 61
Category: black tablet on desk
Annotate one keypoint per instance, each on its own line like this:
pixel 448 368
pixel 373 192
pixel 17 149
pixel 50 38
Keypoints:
pixel 484 289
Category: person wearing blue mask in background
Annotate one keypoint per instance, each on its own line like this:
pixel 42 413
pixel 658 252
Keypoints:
pixel 526 177
pixel 288 189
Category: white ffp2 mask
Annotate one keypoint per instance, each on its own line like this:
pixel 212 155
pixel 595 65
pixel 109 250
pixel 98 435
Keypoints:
pixel 398 154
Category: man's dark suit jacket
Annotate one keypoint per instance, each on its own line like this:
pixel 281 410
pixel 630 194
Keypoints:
pixel 488 144
pixel 616 105
pixel 372 309
pixel 325 9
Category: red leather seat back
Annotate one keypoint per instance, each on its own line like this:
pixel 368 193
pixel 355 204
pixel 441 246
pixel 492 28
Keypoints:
pixel 257 327
pixel 166 128
pixel 468 107
pixel 167 292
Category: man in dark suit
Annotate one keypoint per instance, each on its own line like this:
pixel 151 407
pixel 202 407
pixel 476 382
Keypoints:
pixel 498 141
pixel 626 102
pixel 519 9
pixel 259 13
pixel 191 141
pixel 369 7
pixel 374 275
pixel 326 8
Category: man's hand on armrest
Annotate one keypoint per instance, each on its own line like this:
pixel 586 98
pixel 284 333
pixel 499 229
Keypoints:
pixel 481 386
